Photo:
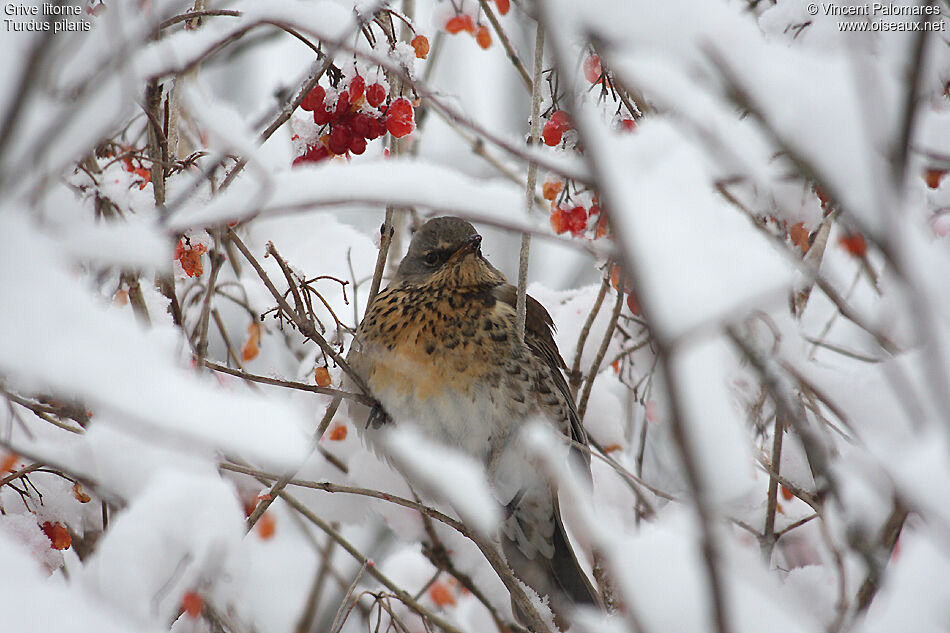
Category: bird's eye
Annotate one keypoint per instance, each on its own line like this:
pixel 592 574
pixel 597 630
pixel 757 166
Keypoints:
pixel 431 258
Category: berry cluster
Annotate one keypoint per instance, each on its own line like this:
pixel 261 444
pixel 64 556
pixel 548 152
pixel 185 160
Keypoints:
pixel 575 217
pixel 357 115
pixel 465 22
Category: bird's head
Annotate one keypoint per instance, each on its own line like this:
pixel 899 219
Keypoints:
pixel 447 252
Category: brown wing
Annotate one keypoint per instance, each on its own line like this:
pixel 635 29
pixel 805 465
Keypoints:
pixel 559 575
pixel 539 335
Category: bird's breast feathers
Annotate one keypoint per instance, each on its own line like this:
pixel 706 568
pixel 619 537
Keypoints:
pixel 445 364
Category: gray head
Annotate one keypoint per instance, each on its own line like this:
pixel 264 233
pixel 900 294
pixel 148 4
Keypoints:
pixel 443 246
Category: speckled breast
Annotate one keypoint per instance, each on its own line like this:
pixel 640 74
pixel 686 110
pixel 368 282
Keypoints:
pixel 443 361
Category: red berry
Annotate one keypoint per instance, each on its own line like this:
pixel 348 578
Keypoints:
pixel 314 99
pixel 342 104
pixel 628 125
pixel 357 85
pixel 362 125
pixel 503 6
pixel 399 128
pixel 312 155
pixel 399 118
pixel 562 119
pixel 320 115
pixel 357 145
pixel 317 153
pixel 401 108
pixel 375 94
pixel 339 140
pixel 377 128
pixel 577 220
pixel 483 37
pixel 551 134
pixel 592 69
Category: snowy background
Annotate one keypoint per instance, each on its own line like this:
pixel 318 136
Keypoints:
pixel 738 221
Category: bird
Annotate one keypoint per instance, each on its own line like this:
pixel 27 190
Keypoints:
pixel 439 349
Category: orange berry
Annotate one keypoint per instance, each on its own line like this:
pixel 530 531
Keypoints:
pixel 252 346
pixel 338 434
pixel 933 177
pixel 800 236
pixel 441 595
pixel 854 243
pixel 80 495
pixel 322 376
pixel 551 188
pixel 483 37
pixel 421 45
pixel 9 463
pixel 786 493
pixel 192 603
pixel 266 526
pixel 57 534
pixel 190 257
pixel 558 221
pixel 459 23
pixel 503 6
pixel 633 303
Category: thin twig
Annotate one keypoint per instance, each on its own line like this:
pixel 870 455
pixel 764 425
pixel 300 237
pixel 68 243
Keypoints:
pixel 575 376
pixel 886 542
pixel 290 384
pixel 386 232
pixel 306 618
pixel 601 352
pixel 768 535
pixel 217 260
pixel 227 340
pixel 531 181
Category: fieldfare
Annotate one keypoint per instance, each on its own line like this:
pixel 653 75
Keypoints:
pixel 439 349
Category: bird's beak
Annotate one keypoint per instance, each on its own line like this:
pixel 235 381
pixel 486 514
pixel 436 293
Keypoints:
pixel 470 245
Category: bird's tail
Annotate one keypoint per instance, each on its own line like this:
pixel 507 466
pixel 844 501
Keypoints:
pixel 560 577
pixel 568 575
